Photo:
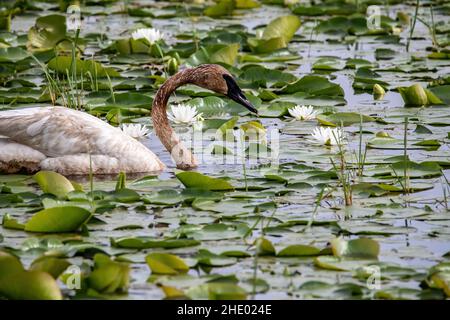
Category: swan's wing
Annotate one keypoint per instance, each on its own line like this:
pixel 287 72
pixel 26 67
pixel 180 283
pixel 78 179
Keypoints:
pixel 60 133
pixel 55 131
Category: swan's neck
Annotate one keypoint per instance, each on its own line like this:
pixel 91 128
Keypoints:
pixel 180 154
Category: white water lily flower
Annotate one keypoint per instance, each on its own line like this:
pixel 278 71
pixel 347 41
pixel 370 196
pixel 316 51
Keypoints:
pixel 150 34
pixel 303 112
pixel 136 131
pixel 328 136
pixel 184 114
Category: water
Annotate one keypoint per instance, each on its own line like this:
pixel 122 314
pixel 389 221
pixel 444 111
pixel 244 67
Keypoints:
pixel 417 242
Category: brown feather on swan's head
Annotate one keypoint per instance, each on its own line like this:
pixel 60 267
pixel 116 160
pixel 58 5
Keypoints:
pixel 218 79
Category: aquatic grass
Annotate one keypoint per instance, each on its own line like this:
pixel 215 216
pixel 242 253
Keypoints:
pixel 413 26
pixel 319 198
pixel 431 27
pixel 313 30
pixel 304 187
pixel 362 155
pixel 194 28
pixel 52 85
pixel 445 189
pixel 343 171
pixel 405 157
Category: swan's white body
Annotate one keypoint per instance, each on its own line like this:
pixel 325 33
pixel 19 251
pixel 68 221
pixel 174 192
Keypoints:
pixel 69 142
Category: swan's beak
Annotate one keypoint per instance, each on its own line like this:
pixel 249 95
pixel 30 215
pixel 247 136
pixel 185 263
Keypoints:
pixel 237 95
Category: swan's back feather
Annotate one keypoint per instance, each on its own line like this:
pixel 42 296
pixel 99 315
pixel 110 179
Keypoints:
pixel 60 132
pixel 16 157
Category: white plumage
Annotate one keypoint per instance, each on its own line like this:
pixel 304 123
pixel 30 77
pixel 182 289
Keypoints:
pixel 68 141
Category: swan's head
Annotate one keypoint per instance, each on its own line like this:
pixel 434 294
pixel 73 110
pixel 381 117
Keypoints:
pixel 216 78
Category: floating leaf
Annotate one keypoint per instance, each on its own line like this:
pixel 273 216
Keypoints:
pixel 146 243
pixel 206 258
pixel 356 248
pixel 9 264
pixel 298 250
pixel 217 53
pixel 339 264
pixel 12 54
pixel 47 32
pixel 314 85
pixel 277 34
pixel 54 183
pixel 58 219
pixel 343 118
pixel 164 263
pixel 219 231
pixel 197 180
pixel 222 8
pixel 217 291
pixel 11 223
pixel 52 265
pixel 63 65
pixel 30 285
pixel 109 276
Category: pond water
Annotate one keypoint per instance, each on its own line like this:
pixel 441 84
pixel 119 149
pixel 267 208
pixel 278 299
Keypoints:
pixel 412 229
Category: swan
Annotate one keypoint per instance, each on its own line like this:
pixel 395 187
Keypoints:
pixel 72 142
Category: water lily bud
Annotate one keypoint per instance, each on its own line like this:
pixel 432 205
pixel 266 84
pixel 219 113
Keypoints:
pixel 417 95
pixel 378 91
pixel 396 31
pixel 172 65
pixel 404 18
pixel 382 134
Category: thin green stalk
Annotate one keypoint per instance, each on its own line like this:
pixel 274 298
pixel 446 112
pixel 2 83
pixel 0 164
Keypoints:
pixel 244 162
pixel 316 208
pixel 194 29
pixel 344 175
pixel 91 180
pixel 399 179
pixel 361 156
pixel 255 273
pixel 431 28
pixel 405 156
pixel 111 88
pixel 413 25
pixel 444 193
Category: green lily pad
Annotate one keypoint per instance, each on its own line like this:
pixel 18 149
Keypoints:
pixel 54 183
pixel 164 263
pixel 63 64
pixel 58 219
pixel 298 250
pixel 356 248
pixel 147 242
pixel 217 291
pixel 314 85
pixel 109 276
pixel 197 180
pixel 277 34
pixel 343 118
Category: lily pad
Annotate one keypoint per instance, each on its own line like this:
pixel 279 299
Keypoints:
pixel 58 219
